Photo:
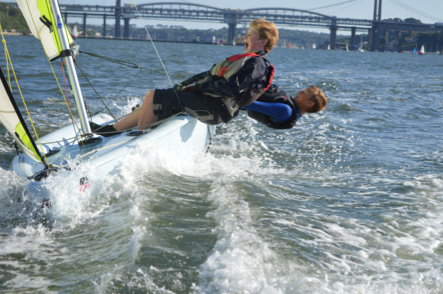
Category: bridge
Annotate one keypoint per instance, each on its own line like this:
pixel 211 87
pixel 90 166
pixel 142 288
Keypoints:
pixel 233 17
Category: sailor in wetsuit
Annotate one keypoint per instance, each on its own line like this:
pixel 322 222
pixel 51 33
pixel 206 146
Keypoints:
pixel 276 109
pixel 214 96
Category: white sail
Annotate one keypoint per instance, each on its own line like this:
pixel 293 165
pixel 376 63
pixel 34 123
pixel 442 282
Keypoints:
pixel 41 22
pixel 422 50
pixel 11 118
pixel 74 31
pixel 45 22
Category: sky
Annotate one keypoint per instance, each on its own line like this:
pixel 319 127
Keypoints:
pixel 428 11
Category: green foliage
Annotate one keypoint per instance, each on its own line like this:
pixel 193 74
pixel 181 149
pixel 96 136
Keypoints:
pixel 412 20
pixel 11 18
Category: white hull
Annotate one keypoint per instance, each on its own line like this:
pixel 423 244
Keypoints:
pixel 178 135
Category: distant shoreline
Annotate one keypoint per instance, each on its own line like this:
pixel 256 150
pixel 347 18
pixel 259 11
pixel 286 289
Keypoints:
pixel 130 39
pixel 12 34
pixel 146 40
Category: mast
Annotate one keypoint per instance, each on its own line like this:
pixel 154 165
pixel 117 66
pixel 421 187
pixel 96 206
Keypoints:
pixel 72 74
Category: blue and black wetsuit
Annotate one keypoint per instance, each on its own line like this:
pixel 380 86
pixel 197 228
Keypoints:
pixel 275 109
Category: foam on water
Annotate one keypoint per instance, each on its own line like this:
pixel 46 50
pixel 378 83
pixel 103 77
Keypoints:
pixel 349 201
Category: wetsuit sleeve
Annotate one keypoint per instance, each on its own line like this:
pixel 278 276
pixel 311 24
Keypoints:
pixel 280 112
pixel 192 80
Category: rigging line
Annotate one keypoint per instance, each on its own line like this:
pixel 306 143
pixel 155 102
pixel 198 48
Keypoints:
pixel 121 62
pixel 118 94
pixel 24 102
pixel 72 139
pixel 161 61
pixel 67 95
pixel 115 97
pixel 332 5
pixel 53 72
pixel 155 48
pixel 415 10
pixel 78 66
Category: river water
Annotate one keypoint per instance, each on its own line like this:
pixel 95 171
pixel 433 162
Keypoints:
pixel 348 201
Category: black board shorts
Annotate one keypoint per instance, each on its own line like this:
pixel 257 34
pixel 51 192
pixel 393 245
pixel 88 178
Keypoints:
pixel 206 109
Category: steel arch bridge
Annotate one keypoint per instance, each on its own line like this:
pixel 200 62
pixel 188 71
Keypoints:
pixel 185 11
pixel 233 17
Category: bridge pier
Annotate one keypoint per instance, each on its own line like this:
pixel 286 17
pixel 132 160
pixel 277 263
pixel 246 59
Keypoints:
pixel 118 12
pixel 126 28
pixel 128 13
pixel 376 34
pixel 354 29
pixel 386 39
pixel 232 30
pixel 232 18
pixel 84 26
pixel 333 35
pixel 66 18
pixel 104 25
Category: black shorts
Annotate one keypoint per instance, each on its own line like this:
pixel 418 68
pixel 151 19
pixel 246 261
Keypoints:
pixel 206 109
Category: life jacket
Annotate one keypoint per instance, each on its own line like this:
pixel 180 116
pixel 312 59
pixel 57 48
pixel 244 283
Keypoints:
pixel 272 95
pixel 231 66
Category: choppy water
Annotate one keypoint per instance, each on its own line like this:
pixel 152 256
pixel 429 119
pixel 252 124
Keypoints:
pixel 349 201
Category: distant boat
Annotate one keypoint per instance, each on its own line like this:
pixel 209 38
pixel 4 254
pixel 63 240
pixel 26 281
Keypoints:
pixel 415 51
pixel 360 48
pixel 422 50
pixel 347 49
pixel 289 44
pixel 73 32
pixel 329 47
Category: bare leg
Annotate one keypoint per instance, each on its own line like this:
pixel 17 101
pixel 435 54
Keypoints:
pixel 147 115
pixel 141 117
pixel 128 122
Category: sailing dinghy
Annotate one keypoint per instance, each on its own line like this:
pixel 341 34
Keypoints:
pixel 38 158
pixel 73 31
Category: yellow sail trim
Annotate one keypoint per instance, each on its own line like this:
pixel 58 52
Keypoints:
pixel 8 57
pixel 44 5
pixel 20 131
pixel 45 10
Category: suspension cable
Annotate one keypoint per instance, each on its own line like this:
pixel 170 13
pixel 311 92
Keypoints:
pixel 415 10
pixel 337 4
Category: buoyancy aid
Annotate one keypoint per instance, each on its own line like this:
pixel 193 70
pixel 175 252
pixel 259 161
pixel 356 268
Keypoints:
pixel 272 95
pixel 221 81
pixel 228 68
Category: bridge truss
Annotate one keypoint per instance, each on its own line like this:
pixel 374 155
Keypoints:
pixel 185 11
